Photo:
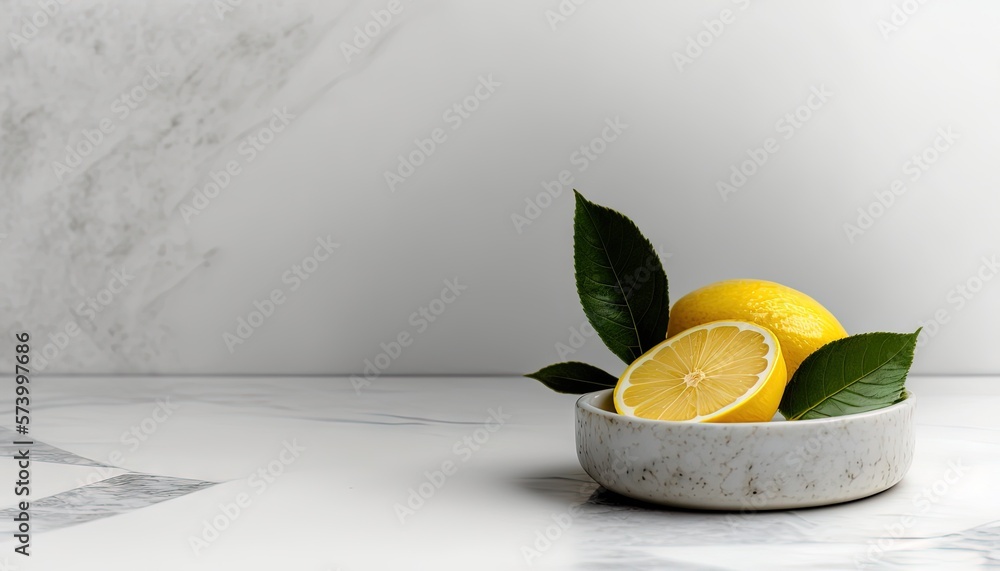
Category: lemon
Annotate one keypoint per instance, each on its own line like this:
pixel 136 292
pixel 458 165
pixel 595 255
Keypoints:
pixel 799 322
pixel 725 371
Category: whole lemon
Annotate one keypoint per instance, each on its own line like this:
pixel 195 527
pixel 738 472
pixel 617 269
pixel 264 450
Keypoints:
pixel 799 322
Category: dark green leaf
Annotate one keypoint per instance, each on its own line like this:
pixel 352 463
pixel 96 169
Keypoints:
pixel 857 374
pixel 574 378
pixel 622 285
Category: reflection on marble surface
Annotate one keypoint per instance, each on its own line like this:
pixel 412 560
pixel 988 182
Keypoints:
pixel 118 495
pixel 40 451
pixel 613 531
pixel 91 500
pixel 945 515
pixel 518 499
pixel 637 538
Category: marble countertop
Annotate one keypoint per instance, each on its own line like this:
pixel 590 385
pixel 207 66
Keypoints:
pixel 441 473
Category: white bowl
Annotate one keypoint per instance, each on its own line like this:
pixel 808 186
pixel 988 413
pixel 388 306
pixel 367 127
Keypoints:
pixel 744 466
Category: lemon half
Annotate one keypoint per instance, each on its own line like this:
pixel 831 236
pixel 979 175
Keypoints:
pixel 724 371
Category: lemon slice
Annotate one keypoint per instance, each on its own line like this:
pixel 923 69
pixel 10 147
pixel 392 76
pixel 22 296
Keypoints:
pixel 724 371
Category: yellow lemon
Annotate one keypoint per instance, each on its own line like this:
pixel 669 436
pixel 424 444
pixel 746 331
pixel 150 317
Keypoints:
pixel 725 371
pixel 799 322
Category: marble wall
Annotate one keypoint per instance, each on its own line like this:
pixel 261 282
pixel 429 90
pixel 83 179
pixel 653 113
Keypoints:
pixel 229 187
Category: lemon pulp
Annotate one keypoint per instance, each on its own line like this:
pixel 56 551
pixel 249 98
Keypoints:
pixel 726 371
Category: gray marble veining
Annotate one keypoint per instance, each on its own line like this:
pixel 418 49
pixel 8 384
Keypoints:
pixel 110 119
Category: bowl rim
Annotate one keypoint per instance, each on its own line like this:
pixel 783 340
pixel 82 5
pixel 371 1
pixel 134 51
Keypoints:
pixel 585 402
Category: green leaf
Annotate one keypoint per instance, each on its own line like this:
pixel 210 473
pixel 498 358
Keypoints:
pixel 574 378
pixel 857 374
pixel 621 283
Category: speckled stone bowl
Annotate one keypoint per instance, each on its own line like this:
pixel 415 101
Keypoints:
pixel 749 466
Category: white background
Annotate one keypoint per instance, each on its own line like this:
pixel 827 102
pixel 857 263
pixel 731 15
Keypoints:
pixel 324 176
